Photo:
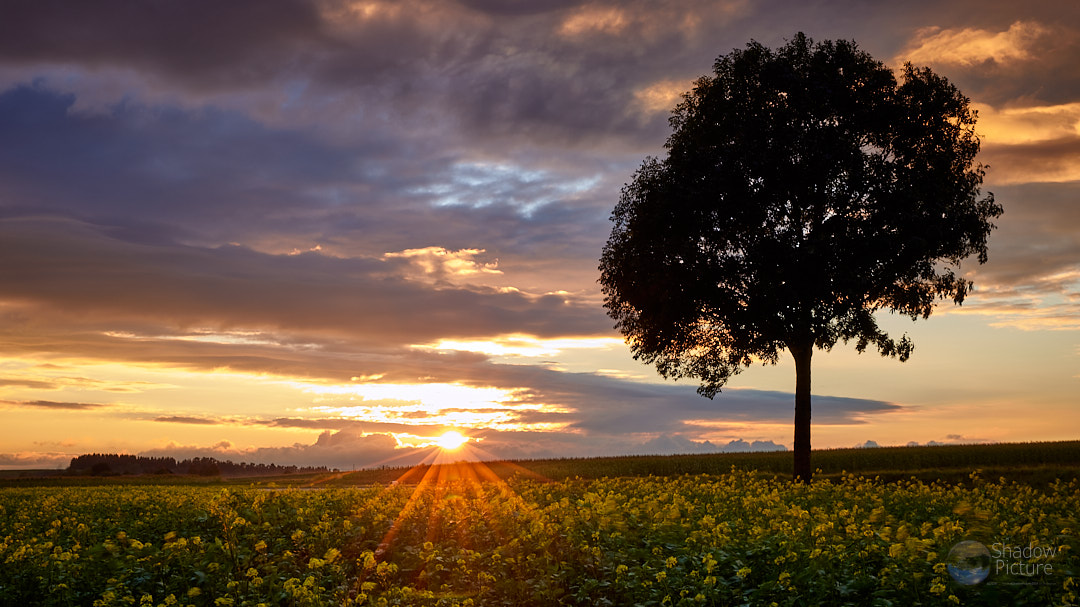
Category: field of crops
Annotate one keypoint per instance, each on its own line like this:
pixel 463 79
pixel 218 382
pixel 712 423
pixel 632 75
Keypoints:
pixel 731 539
pixel 1037 464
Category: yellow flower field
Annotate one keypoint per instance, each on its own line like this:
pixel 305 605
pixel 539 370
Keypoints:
pixel 733 539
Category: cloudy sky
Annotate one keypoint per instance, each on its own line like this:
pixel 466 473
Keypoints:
pixel 325 232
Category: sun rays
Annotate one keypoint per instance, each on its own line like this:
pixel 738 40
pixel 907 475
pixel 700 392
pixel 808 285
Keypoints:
pixel 439 487
pixel 451 441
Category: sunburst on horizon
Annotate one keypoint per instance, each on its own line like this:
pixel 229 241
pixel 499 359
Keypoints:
pixel 451 440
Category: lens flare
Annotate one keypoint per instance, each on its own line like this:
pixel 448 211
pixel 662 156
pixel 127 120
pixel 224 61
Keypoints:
pixel 451 440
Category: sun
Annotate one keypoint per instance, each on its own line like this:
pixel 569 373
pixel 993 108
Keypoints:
pixel 451 440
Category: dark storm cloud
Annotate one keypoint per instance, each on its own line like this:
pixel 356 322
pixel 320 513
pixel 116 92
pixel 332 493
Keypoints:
pixel 217 177
pixel 1050 160
pixel 553 71
pixel 64 265
pixel 1017 260
pixel 313 358
pixel 231 42
pixel 159 173
pixel 519 7
pixel 606 405
pixel 220 175
pixel 561 73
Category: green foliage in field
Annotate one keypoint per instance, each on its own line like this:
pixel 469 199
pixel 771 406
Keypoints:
pixel 1037 464
pixel 731 539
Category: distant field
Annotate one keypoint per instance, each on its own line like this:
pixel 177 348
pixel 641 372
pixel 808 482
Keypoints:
pixel 54 478
pixel 1036 464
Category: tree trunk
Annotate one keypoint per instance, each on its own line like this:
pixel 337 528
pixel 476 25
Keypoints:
pixel 802 355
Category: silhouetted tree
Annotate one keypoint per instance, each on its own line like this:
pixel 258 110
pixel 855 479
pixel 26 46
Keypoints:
pixel 110 463
pixel 101 469
pixel 204 466
pixel 804 189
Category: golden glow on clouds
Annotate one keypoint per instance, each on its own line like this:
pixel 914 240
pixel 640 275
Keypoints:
pixel 315 249
pixel 520 344
pixel 151 388
pixel 623 374
pixel 21 375
pixel 365 378
pixel 203 335
pixel 648 21
pixel 368 9
pixel 451 440
pixel 442 394
pixel 970 46
pixel 595 19
pixel 661 96
pixel 437 260
pixel 1019 125
pixel 435 404
pixel 440 404
pixel 1032 315
pixel 425 416
pixel 1027 144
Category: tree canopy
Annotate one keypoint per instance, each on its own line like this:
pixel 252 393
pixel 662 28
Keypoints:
pixel 804 189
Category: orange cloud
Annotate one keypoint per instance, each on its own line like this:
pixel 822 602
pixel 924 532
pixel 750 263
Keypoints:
pixel 1018 125
pixel 439 261
pixel 1038 143
pixel 970 46
pixel 369 10
pixel 650 21
pixel 1056 317
pixel 519 344
pixel 593 19
pixel 661 96
pixel 1055 161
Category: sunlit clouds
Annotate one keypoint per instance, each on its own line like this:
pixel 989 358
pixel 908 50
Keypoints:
pixel 1028 124
pixel 425 404
pixel 608 20
pixel 968 46
pixel 439 261
pixel 661 97
pixel 526 345
pixel 333 232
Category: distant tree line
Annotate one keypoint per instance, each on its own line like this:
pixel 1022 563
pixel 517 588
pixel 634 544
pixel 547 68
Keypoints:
pixel 113 463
